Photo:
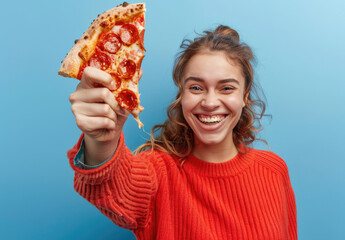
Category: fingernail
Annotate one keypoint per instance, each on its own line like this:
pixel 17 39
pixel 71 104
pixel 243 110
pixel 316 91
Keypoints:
pixel 112 85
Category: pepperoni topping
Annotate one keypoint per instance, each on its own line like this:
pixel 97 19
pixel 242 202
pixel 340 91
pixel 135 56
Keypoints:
pixel 126 69
pixel 117 80
pixel 127 99
pixel 100 60
pixel 81 70
pixel 141 37
pixel 129 34
pixel 109 42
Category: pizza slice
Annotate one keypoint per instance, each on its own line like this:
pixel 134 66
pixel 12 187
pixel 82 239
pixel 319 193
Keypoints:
pixel 113 43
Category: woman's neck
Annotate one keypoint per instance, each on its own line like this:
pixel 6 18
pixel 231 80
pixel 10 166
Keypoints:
pixel 217 153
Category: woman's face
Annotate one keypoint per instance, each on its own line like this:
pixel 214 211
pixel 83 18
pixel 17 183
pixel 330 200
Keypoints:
pixel 212 98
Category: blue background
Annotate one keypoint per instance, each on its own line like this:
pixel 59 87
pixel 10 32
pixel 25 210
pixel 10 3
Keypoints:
pixel 300 50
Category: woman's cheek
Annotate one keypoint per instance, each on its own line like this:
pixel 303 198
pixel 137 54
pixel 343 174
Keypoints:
pixel 234 102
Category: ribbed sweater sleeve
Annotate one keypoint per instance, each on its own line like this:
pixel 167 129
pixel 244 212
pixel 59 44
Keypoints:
pixel 122 189
pixel 278 165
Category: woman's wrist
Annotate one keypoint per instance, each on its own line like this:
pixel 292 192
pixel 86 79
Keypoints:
pixel 96 152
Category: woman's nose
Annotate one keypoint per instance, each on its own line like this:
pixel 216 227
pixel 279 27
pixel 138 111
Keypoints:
pixel 210 100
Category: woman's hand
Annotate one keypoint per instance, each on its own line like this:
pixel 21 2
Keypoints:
pixel 98 114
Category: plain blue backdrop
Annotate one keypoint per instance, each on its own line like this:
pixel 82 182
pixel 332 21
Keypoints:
pixel 300 50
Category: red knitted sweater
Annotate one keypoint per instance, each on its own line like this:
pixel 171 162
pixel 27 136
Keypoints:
pixel 157 197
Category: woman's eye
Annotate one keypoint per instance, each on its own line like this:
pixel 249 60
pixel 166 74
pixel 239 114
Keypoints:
pixel 228 88
pixel 195 88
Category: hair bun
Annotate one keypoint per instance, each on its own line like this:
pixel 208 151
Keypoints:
pixel 227 31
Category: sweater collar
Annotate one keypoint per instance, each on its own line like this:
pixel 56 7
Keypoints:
pixel 231 167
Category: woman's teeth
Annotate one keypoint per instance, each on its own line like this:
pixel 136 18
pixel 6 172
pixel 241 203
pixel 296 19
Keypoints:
pixel 211 119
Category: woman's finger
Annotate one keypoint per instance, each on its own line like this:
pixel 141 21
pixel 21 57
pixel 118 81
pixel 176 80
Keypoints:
pixel 93 77
pixel 89 124
pixel 94 95
pixel 93 110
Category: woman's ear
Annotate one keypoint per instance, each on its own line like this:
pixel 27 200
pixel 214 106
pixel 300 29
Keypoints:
pixel 245 99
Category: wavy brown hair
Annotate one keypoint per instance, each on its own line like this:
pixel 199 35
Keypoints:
pixel 175 136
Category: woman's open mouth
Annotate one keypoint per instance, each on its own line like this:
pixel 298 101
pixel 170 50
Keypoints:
pixel 210 119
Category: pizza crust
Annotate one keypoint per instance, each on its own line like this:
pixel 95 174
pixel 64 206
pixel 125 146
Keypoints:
pixel 74 59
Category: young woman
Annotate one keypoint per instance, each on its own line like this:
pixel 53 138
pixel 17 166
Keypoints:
pixel 197 179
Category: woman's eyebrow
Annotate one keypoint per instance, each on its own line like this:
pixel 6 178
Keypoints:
pixel 227 80
pixel 198 79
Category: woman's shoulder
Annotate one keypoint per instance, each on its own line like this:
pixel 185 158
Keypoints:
pixel 270 160
pixel 155 153
pixel 160 158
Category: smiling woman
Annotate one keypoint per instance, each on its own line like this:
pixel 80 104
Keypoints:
pixel 199 178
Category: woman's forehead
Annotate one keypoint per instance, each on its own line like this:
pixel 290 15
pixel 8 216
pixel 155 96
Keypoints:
pixel 212 66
